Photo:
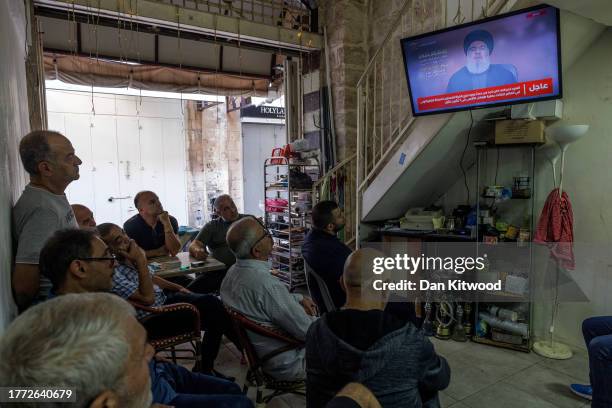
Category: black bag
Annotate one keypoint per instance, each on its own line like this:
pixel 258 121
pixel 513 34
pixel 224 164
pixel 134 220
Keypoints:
pixel 298 179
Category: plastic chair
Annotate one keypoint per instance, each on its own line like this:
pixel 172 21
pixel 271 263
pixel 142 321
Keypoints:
pixel 256 376
pixel 316 282
pixel 172 325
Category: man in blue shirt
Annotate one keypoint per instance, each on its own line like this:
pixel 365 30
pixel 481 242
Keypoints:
pixel 78 261
pixel 153 229
pixel 324 252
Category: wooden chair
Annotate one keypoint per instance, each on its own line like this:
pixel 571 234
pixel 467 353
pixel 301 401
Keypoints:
pixel 256 376
pixel 172 325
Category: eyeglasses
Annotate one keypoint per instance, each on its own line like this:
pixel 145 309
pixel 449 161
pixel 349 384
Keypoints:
pixel 266 232
pixel 111 258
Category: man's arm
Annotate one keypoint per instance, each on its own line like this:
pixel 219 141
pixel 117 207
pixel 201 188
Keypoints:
pixel 40 225
pixel 144 294
pixel 167 285
pixel 435 372
pixel 161 251
pixel 171 240
pixel 26 283
pixel 287 313
pixel 198 250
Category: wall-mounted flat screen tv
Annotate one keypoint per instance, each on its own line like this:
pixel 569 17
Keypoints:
pixel 503 60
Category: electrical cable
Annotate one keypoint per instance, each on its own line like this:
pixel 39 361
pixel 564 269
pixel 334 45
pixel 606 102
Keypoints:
pixel 467 142
pixel 496 166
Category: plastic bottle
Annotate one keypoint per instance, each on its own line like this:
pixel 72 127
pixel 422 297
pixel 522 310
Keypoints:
pixel 198 218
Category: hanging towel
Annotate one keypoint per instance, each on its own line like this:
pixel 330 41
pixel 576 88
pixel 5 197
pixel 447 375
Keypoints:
pixel 556 229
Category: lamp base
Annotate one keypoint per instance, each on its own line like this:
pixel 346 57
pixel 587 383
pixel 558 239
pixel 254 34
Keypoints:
pixel 554 350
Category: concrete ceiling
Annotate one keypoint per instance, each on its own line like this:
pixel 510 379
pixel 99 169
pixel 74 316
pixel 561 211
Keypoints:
pixel 596 10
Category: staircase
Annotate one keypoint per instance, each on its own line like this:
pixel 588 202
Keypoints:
pixel 389 139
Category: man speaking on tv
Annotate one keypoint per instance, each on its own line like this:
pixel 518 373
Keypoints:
pixel 478 71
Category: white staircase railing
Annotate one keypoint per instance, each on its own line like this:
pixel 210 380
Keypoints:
pixel 384 117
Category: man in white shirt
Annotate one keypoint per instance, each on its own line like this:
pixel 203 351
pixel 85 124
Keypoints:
pixel 251 290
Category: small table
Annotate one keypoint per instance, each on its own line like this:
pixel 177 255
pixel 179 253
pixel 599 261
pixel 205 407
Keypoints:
pixel 211 264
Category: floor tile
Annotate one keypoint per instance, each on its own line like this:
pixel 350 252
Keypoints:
pixel 576 367
pixel 446 400
pixel 447 347
pixel 459 405
pixel 504 395
pixel 547 384
pixel 479 367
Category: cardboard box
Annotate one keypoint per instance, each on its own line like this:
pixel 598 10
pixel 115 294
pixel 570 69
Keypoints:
pixel 519 131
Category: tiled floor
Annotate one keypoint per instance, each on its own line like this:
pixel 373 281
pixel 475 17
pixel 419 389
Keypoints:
pixel 481 376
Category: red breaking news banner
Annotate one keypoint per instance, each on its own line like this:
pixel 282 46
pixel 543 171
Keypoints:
pixel 487 95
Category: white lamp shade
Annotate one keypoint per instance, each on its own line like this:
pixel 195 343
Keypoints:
pixel 566 134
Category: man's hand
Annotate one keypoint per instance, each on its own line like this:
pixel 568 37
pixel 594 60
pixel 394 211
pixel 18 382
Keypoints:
pixel 184 290
pixel 164 218
pixel 134 254
pixel 199 253
pixel 309 306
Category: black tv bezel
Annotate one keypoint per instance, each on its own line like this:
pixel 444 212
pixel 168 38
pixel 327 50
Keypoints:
pixel 478 22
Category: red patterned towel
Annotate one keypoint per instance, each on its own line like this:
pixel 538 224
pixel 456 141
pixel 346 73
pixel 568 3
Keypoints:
pixel 556 228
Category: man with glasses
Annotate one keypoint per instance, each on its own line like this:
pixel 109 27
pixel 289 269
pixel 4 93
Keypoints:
pixel 135 282
pixel 478 71
pixel 77 261
pixel 251 290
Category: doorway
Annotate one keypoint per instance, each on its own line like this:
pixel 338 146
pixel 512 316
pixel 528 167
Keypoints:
pixel 258 140
pixel 127 144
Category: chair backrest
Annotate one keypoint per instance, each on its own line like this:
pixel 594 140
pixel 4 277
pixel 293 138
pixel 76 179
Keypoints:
pixel 170 325
pixel 243 325
pixel 328 302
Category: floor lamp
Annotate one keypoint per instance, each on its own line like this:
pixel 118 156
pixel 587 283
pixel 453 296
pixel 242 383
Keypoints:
pixel 563 136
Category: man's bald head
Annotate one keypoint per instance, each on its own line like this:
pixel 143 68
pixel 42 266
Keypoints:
pixel 226 208
pixel 84 216
pixel 358 277
pixel 245 239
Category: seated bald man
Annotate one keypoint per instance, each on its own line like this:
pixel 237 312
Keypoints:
pixel 251 290
pixel 153 229
pixel 90 342
pixel 84 216
pixel 364 343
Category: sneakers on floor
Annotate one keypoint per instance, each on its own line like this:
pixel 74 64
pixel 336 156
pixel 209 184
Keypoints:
pixel 584 391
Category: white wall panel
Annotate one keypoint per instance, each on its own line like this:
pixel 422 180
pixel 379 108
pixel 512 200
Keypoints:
pixel 130 144
pixel 14 123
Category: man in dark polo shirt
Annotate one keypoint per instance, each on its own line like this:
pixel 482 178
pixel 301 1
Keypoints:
pixel 324 252
pixel 153 229
pixel 212 236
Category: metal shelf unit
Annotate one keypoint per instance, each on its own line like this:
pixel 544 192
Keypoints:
pixel 288 223
pixel 525 253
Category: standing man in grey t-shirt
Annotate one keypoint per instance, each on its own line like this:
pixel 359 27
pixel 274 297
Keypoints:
pixel 42 209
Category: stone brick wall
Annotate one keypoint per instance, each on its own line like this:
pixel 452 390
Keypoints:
pixel 214 151
pixel 356 29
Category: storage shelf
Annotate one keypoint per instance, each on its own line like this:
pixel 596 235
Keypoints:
pixel 525 348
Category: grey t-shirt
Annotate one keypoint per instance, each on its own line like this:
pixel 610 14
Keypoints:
pixel 212 235
pixel 36 216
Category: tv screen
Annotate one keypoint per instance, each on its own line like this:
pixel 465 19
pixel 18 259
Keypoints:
pixel 507 59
